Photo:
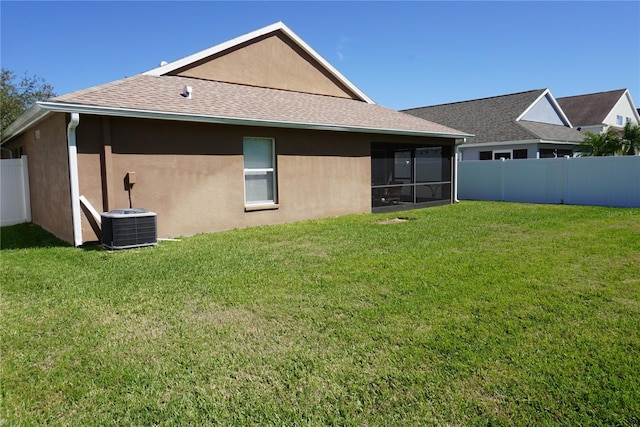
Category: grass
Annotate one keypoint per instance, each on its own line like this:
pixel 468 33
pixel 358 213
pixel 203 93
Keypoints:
pixel 470 314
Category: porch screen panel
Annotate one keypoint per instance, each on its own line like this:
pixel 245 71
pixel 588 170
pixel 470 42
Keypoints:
pixel 408 174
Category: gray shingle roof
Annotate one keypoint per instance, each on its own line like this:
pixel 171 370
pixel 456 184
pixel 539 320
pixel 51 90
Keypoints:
pixel 233 101
pixel 589 109
pixel 494 119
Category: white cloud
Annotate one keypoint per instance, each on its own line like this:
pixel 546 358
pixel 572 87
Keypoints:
pixel 341 47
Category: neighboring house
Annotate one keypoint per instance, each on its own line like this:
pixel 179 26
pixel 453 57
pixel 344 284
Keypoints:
pixel 516 126
pixel 597 112
pixel 258 130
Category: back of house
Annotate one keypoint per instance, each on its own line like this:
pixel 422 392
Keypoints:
pixel 257 130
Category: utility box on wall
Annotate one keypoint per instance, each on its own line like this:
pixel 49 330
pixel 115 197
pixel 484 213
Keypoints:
pixel 129 228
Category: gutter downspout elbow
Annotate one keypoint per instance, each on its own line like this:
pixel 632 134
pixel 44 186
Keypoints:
pixel 73 179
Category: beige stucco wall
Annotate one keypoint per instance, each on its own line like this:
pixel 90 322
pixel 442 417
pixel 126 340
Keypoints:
pixel 271 61
pixel 45 144
pixel 191 174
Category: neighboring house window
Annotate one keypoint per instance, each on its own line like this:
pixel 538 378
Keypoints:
pixel 549 153
pixel 486 155
pixel 259 171
pixel 628 119
pixel 520 154
pixel 619 119
pixel 497 155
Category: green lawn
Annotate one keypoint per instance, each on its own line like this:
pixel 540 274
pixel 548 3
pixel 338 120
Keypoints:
pixel 469 314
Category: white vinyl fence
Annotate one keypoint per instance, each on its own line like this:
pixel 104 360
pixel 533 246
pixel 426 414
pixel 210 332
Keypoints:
pixel 15 205
pixel 599 181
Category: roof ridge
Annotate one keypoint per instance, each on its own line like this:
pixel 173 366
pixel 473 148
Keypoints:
pixel 477 99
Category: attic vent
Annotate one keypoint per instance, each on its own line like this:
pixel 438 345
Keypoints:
pixel 163 63
pixel 186 92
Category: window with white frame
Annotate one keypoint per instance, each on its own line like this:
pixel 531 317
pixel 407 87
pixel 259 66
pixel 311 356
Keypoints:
pixel 259 171
pixel 619 120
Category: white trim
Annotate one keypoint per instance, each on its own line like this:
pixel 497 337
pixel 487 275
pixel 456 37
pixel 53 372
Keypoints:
pixel 520 142
pixel 633 107
pixel 161 115
pixel 94 213
pixel 34 114
pixel 278 26
pixel 555 104
pixel 73 179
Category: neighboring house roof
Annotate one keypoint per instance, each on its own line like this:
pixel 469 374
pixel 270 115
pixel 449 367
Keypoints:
pixel 239 98
pixel 502 118
pixel 590 109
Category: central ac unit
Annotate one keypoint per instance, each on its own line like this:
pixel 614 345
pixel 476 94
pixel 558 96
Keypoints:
pixel 128 228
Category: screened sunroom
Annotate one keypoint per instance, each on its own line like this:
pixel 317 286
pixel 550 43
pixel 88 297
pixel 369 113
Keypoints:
pixel 406 176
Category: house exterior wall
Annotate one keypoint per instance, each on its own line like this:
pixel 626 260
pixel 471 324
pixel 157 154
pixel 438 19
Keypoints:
pixel 473 153
pixel 45 144
pixel 593 129
pixel 623 108
pixel 273 62
pixel 192 174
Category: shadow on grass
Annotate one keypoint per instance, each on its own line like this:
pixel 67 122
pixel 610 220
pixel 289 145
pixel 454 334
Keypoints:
pixel 27 235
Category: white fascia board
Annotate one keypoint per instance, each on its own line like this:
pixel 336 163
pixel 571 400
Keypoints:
pixel 555 104
pixel 633 107
pixel 161 115
pixel 33 115
pixel 520 142
pixel 327 65
pixel 172 66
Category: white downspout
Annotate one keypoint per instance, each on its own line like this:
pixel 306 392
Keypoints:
pixel 73 179
pixel 456 154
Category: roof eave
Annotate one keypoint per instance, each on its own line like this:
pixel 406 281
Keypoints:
pixel 517 142
pixel 633 106
pixel 34 114
pixel 162 115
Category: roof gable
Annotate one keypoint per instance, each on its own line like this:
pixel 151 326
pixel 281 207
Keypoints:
pixel 545 110
pixel 503 118
pixel 590 109
pixel 271 57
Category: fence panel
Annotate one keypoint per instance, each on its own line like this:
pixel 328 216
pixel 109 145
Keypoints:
pixel 15 204
pixel 601 181
pixel 479 180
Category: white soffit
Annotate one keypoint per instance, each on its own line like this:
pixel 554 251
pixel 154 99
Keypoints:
pixel 278 26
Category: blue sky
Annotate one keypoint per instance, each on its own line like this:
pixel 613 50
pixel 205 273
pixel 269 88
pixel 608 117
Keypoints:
pixel 401 54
